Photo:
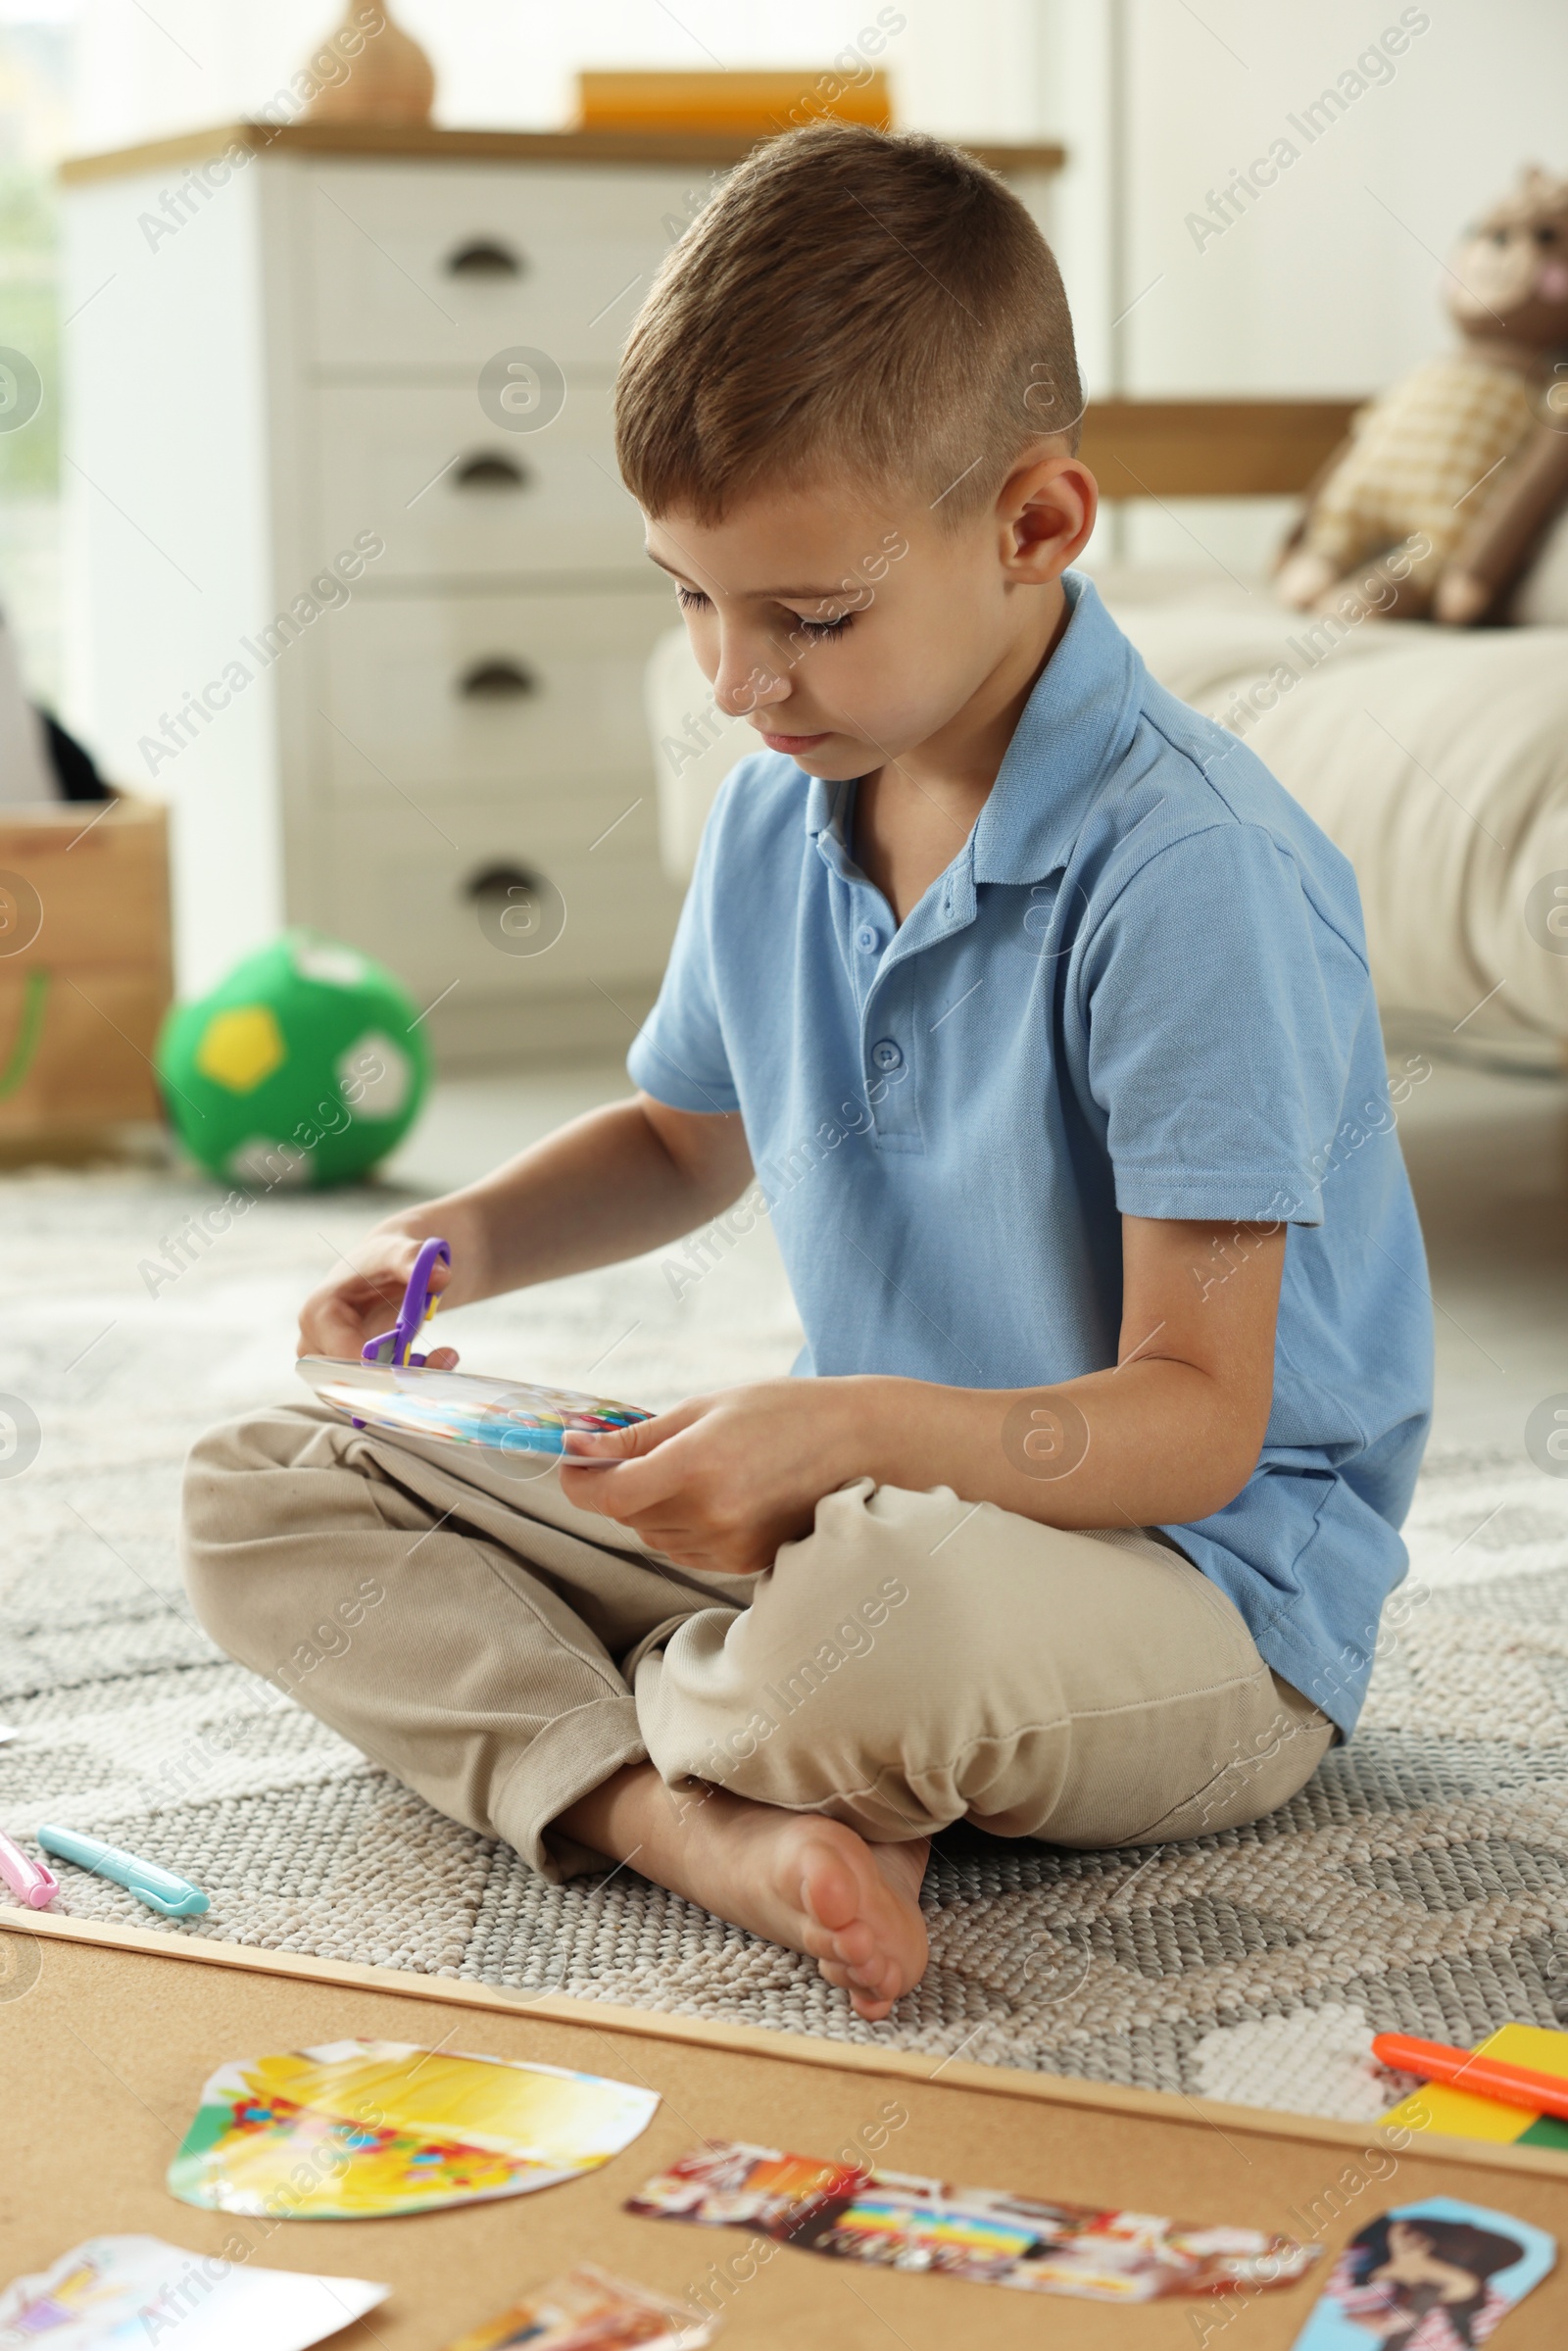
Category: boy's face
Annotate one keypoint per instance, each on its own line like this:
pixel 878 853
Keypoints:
pixel 852 629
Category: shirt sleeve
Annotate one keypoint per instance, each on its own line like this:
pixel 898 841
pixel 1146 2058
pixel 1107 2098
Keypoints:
pixel 1223 1011
pixel 679 1054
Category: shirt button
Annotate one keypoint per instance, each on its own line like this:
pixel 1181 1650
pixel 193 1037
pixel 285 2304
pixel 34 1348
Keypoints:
pixel 867 939
pixel 885 1055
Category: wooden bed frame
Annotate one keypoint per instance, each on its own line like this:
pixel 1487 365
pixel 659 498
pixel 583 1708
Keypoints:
pixel 1211 448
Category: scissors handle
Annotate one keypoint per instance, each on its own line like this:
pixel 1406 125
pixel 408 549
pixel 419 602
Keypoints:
pixel 416 1308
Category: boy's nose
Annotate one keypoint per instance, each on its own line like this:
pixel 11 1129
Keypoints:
pixel 738 689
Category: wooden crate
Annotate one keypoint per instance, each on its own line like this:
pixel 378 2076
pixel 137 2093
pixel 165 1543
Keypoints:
pixel 84 970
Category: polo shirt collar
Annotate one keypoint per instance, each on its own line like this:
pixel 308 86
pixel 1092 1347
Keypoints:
pixel 824 803
pixel 1076 728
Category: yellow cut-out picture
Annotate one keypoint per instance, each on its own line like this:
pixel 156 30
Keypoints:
pixel 361 2128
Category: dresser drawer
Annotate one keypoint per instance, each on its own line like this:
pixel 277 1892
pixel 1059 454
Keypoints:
pixel 563 816
pixel 456 692
pixel 443 265
pixel 452 493
pixel 558 914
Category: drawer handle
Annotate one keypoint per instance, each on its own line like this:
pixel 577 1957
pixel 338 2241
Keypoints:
pixel 497 680
pixel 483 257
pixel 487 470
pixel 519 909
pixel 504 882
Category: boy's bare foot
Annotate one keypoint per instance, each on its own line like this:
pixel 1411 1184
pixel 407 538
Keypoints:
pixel 802 1881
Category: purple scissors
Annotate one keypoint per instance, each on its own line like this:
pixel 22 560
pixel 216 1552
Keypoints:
pixel 415 1312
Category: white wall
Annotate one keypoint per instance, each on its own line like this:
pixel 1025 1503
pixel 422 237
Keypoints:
pixel 1328 282
pixel 169 538
pixel 957 64
pixel 1331 280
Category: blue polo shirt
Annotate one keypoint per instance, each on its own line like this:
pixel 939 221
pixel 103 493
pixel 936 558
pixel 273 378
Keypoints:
pixel 1140 989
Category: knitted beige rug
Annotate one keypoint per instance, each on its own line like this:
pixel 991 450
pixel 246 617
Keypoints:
pixel 1419 1882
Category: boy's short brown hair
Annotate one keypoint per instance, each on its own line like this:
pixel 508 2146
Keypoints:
pixel 850 300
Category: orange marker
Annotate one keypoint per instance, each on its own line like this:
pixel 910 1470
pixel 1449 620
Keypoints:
pixel 1483 2077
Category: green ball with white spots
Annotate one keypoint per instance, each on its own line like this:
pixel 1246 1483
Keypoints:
pixel 304 1066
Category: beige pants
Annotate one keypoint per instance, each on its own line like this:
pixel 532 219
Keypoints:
pixel 914 1662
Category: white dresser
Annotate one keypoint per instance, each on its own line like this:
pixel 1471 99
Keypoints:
pixel 382 361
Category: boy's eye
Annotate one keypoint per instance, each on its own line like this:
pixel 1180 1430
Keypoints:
pixel 690 599
pixel 818 629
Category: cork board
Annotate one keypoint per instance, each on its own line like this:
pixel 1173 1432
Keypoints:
pixel 106 2035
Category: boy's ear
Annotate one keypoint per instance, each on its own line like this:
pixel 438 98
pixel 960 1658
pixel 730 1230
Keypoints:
pixel 1046 511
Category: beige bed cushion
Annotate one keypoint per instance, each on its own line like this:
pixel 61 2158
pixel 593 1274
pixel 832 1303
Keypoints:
pixel 1436 759
pixel 1542 597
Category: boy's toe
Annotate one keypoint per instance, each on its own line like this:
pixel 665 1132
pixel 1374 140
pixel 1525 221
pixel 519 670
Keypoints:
pixel 830 1893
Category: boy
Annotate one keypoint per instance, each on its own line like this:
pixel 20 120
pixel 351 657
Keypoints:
pixel 1043 1015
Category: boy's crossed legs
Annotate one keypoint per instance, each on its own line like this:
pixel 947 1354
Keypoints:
pixel 780 1747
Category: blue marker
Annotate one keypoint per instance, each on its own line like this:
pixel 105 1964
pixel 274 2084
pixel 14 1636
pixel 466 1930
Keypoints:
pixel 162 1891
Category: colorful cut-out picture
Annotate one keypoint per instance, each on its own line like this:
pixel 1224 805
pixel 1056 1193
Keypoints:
pixel 589 2310
pixel 459 1407
pixel 1438 2275
pixel 115 2293
pixel 359 2128
pixel 891 2220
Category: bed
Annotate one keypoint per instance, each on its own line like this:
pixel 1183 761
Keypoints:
pixel 1437 759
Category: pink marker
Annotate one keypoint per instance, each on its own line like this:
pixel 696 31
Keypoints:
pixel 34 1886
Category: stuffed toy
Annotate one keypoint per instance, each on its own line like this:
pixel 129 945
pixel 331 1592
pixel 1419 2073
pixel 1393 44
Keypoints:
pixel 1449 480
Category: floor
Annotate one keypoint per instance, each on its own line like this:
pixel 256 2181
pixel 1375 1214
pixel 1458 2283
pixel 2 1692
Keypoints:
pixel 1487 1156
pixel 472 1123
pixel 1417 1886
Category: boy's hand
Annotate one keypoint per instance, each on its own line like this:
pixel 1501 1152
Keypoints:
pixel 1167 1436
pixel 722 1481
pixel 362 1301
